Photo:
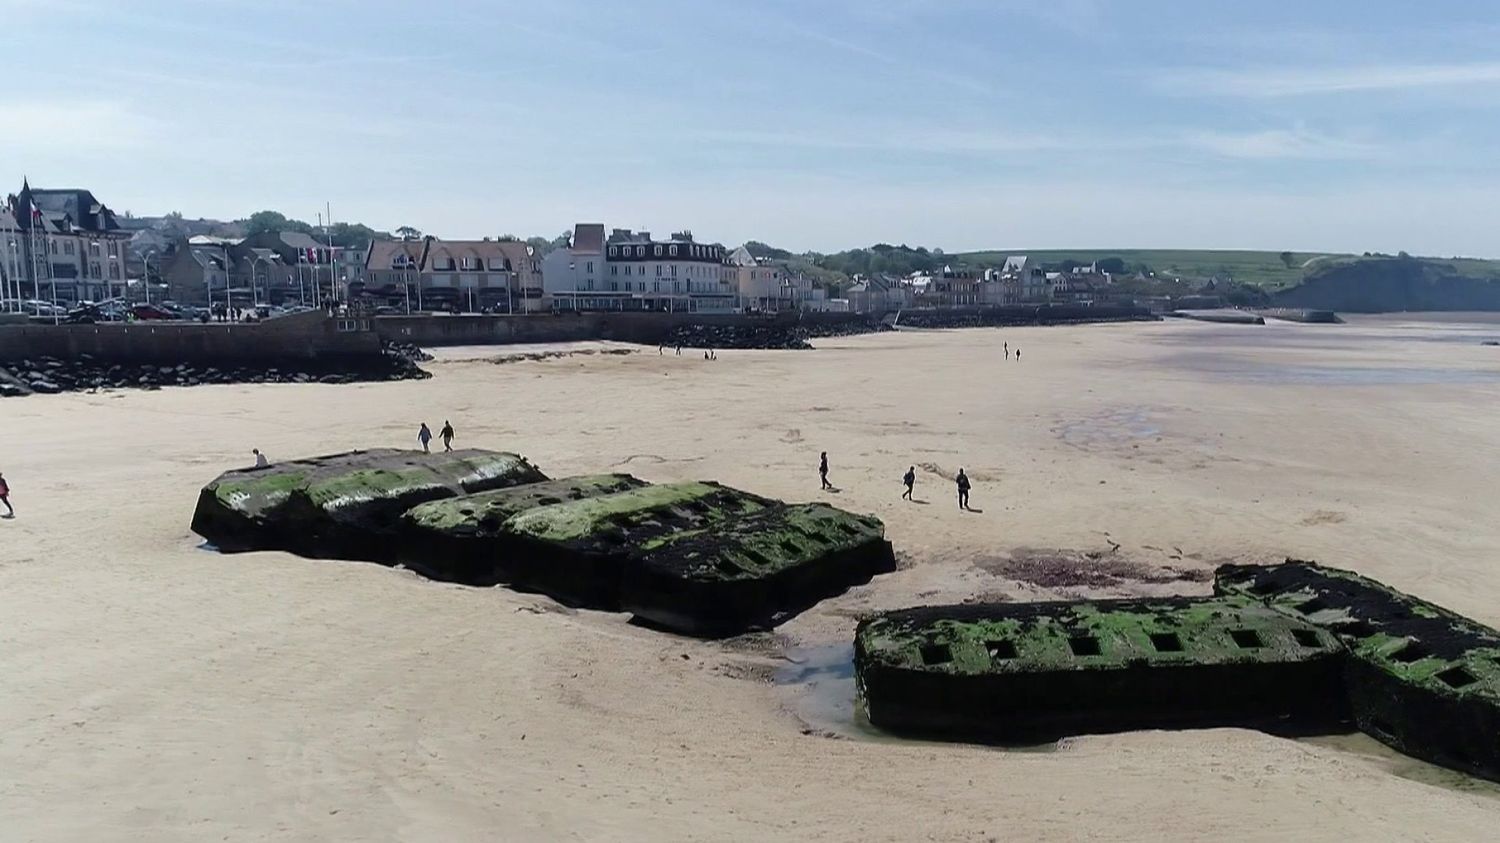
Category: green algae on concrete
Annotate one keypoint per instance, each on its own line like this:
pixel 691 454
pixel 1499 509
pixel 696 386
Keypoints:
pixel 482 514
pixel 1421 678
pixel 1021 672
pixel 579 551
pixel 464 539
pixel 753 571
pixel 342 505
pixel 661 510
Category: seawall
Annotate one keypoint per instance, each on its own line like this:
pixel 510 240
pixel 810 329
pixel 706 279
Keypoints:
pixel 303 336
pixel 653 328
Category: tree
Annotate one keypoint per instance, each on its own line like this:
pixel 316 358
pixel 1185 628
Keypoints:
pixel 1288 259
pixel 406 232
pixel 540 245
pixel 563 241
pixel 507 238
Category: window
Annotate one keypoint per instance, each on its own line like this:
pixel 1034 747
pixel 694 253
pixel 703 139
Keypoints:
pixel 67 247
pixel 658 270
pixel 614 269
pixel 94 271
pixel 591 267
pixel 673 251
pixel 657 251
pixel 640 251
pixel 612 250
pixel 627 269
pixel 93 250
pixel 674 270
pixel 114 271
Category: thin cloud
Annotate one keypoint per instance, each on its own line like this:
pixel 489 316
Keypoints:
pixel 71 126
pixel 1264 145
pixel 1296 82
pixel 1279 144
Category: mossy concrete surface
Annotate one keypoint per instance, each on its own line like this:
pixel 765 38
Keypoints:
pixel 753 571
pixel 641 514
pixel 696 557
pixel 581 551
pixel 1018 672
pixel 483 514
pixel 465 540
pixel 1420 678
pixel 342 505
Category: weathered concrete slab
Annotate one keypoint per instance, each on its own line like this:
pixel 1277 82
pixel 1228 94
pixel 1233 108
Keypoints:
pixel 1017 673
pixel 752 572
pixel 463 539
pixel 578 551
pixel 1420 678
pixel 343 506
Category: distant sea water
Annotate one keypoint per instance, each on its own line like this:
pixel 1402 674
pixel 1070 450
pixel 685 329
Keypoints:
pixel 1279 352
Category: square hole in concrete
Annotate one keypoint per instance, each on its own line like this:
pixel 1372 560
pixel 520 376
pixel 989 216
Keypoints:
pixel 1084 645
pixel 1265 587
pixel 1314 605
pixel 1000 650
pixel 1166 642
pixel 1246 639
pixel 936 654
pixel 1358 629
pixel 1457 677
pixel 1307 638
pixel 1413 651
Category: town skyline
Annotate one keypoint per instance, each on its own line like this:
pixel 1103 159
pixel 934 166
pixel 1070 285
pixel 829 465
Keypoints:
pixel 956 125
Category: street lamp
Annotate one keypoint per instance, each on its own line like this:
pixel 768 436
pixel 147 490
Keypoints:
pixel 146 271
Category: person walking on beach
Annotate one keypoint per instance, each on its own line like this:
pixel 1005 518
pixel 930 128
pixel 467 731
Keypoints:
pixel 910 480
pixel 823 470
pixel 424 436
pixel 1018 354
pixel 260 459
pixel 1007 351
pixel 963 490
pixel 447 435
pixel 5 498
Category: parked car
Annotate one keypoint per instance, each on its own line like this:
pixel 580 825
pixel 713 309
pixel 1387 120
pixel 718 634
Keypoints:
pixel 153 312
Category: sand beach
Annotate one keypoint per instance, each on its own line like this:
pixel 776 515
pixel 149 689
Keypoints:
pixel 153 690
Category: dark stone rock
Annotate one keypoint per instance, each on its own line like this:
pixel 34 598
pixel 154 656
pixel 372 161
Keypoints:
pixel 44 387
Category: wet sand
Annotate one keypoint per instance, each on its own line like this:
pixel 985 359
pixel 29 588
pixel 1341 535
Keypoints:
pixel 155 691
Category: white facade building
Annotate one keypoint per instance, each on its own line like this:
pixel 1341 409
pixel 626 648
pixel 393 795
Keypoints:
pixel 631 271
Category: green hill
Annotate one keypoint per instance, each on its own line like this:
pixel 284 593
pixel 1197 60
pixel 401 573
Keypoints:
pixel 1262 269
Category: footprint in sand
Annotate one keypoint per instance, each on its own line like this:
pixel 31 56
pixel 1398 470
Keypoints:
pixel 791 437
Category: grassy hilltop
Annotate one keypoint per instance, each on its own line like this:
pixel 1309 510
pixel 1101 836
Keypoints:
pixel 1261 269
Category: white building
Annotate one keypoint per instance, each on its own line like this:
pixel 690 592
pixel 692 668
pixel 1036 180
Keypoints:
pixel 631 271
pixel 757 285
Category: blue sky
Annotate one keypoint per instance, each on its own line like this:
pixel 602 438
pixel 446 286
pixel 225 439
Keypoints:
pixel 813 124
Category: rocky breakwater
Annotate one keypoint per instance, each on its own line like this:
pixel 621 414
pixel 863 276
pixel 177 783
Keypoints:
pixel 786 337
pixel 695 558
pixel 49 375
